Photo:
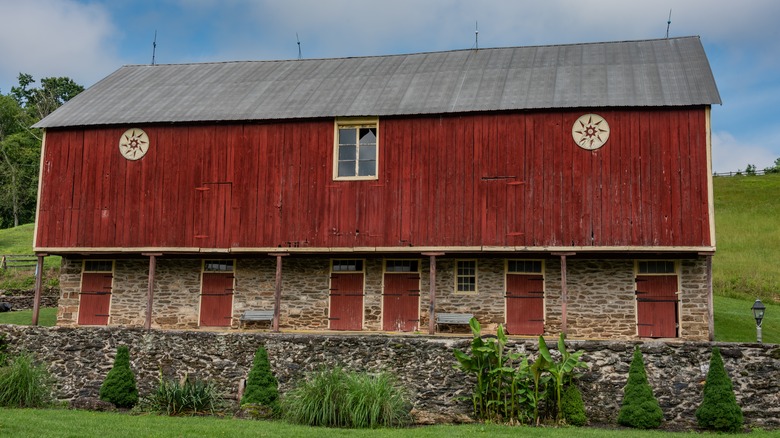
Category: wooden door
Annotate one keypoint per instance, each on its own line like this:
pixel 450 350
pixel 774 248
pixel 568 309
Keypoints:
pixel 216 301
pixel 346 301
pixel 95 298
pixel 656 303
pixel 213 225
pixel 401 302
pixel 524 304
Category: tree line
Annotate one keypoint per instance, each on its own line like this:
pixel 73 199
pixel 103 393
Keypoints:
pixel 20 144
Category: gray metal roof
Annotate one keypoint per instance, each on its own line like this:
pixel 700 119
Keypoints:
pixel 662 72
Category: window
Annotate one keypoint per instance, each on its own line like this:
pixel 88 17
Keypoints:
pixel 656 267
pixel 466 276
pixel 218 265
pixel 347 266
pixel 402 266
pixel 356 150
pixel 524 266
pixel 98 266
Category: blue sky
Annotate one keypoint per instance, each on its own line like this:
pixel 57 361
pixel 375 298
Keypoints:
pixel 87 40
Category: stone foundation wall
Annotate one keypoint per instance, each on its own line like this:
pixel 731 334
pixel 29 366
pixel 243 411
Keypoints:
pixel 80 358
pixel 601 299
pixel 25 300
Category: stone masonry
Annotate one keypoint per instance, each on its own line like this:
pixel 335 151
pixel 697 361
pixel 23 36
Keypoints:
pixel 601 299
pixel 79 359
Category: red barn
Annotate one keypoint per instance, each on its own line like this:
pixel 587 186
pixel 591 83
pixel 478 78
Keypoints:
pixel 554 188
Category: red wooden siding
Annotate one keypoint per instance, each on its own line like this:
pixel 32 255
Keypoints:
pixel 514 179
pixel 216 301
pixel 346 301
pixel 401 302
pixel 95 298
pixel 656 299
pixel 524 304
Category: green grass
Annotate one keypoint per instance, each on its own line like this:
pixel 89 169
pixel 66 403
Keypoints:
pixel 19 240
pixel 85 424
pixel 747 226
pixel 47 317
pixel 734 321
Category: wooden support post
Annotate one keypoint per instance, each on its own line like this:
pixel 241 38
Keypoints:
pixel 277 291
pixel 432 291
pixel 150 289
pixel 710 305
pixel 564 290
pixel 38 286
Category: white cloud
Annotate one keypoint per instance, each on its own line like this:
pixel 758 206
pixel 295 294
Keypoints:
pixel 730 154
pixel 55 38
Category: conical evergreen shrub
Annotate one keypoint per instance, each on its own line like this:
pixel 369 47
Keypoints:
pixel 640 408
pixel 719 409
pixel 119 387
pixel 261 386
pixel 572 407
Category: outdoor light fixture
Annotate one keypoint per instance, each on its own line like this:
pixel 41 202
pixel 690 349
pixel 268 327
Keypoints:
pixel 758 313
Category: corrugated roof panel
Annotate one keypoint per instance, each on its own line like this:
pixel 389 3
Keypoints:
pixel 668 72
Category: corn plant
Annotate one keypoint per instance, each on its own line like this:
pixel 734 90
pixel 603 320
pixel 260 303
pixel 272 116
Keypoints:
pixel 562 371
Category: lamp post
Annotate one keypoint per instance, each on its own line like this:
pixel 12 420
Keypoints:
pixel 758 313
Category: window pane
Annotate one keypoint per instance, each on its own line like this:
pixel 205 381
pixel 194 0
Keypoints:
pixel 218 265
pixel 367 168
pixel 346 168
pixel 367 136
pixel 98 266
pixel 367 152
pixel 347 136
pixel 347 153
pixel 347 265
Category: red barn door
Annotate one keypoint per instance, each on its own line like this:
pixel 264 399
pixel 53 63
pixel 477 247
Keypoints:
pixel 216 301
pixel 95 298
pixel 524 304
pixel 346 301
pixel 656 303
pixel 401 297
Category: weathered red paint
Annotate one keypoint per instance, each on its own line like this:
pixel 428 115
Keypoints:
pixel 401 302
pixel 95 298
pixel 509 179
pixel 216 301
pixel 656 306
pixel 346 301
pixel 524 304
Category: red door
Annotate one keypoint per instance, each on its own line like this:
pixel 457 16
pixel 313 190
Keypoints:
pixel 524 304
pixel 216 301
pixel 346 301
pixel 401 302
pixel 95 298
pixel 656 303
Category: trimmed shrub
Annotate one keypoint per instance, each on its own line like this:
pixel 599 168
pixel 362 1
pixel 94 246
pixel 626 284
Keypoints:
pixel 24 384
pixel 719 409
pixel 337 398
pixel 119 387
pixel 261 385
pixel 572 407
pixel 640 408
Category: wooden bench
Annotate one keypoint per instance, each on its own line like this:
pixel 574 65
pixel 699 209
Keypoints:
pixel 453 318
pixel 257 315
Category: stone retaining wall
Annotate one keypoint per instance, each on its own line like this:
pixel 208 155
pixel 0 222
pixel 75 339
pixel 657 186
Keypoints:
pixel 601 294
pixel 81 357
pixel 24 301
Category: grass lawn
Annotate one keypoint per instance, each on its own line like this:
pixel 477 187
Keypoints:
pixel 84 424
pixel 47 317
pixel 19 240
pixel 734 321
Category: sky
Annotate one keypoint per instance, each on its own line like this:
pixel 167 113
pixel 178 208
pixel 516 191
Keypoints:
pixel 87 40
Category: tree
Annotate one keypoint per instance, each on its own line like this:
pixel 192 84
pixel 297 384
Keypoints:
pixel 719 409
pixel 261 385
pixel 20 145
pixel 119 387
pixel 640 408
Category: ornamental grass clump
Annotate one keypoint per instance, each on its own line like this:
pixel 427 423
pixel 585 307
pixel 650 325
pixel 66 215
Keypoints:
pixel 640 408
pixel 185 397
pixel 119 387
pixel 24 384
pixel 261 385
pixel 337 398
pixel 719 410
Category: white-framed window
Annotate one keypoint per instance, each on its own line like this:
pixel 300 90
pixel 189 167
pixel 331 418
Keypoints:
pixel 402 265
pixel 218 265
pixel 524 266
pixel 346 265
pixel 356 154
pixel 98 266
pixel 466 276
